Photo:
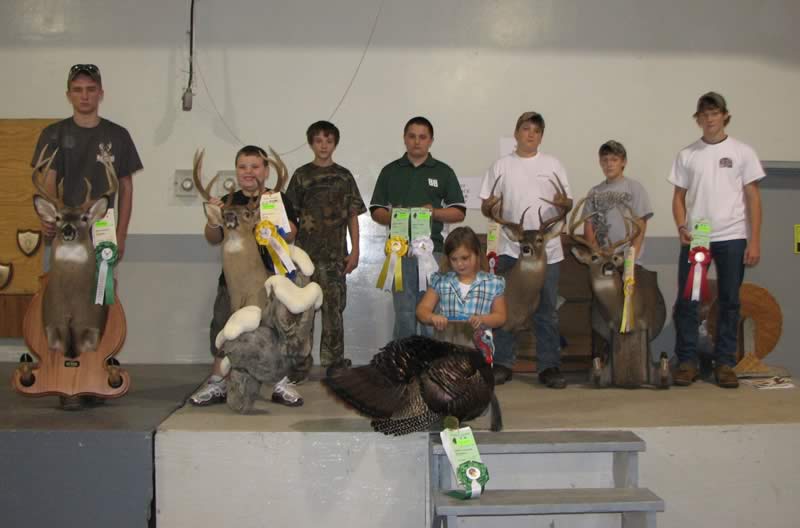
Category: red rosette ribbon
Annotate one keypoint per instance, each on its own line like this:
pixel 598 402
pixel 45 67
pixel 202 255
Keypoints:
pixel 696 288
pixel 492 258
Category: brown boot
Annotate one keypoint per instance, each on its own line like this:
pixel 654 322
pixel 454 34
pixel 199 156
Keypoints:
pixel 685 374
pixel 726 377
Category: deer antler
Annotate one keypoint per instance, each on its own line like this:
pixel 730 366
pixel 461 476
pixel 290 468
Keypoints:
pixel 280 169
pixel 630 234
pixel 37 170
pixel 560 201
pixel 492 208
pixel 574 223
pixel 197 175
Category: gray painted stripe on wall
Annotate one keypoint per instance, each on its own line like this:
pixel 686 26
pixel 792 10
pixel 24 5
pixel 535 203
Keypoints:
pixel 170 248
pixel 194 248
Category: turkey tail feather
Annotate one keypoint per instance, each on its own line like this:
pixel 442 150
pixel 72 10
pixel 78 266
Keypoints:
pixel 403 426
pixel 367 391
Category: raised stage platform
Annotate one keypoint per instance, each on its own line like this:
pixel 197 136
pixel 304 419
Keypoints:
pixel 716 457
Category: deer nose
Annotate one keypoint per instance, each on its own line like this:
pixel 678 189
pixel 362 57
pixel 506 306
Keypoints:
pixel 68 232
pixel 609 268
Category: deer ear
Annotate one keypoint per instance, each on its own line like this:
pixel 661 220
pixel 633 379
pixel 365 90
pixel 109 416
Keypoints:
pixel 98 209
pixel 213 213
pixel 46 210
pixel 582 254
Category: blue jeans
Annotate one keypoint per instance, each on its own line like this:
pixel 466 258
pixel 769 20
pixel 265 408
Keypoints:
pixel 545 323
pixel 405 302
pixel 728 257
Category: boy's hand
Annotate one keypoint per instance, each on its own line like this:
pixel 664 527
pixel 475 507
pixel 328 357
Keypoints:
pixel 48 230
pixel 752 254
pixel 475 321
pixel 685 235
pixel 439 322
pixel 350 262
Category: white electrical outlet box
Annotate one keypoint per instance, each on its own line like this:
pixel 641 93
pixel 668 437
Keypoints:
pixel 226 183
pixel 183 183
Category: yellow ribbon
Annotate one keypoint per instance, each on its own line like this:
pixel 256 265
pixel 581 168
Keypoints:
pixel 628 288
pixel 396 247
pixel 267 235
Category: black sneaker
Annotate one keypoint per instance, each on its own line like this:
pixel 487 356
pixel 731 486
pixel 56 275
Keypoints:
pixel 552 378
pixel 341 363
pixel 502 374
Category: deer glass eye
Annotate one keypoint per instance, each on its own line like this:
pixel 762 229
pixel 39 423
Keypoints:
pixel 595 258
pixel 84 218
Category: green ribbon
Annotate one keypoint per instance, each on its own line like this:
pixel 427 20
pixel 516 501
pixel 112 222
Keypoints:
pixel 105 255
pixel 472 476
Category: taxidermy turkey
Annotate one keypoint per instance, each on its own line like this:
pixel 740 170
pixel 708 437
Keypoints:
pixel 415 382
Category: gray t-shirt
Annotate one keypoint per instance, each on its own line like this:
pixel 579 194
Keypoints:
pixel 607 199
pixel 80 152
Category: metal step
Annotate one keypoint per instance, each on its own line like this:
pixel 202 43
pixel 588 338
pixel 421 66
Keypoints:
pixel 551 442
pixel 550 502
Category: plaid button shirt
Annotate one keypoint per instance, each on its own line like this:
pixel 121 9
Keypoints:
pixel 478 301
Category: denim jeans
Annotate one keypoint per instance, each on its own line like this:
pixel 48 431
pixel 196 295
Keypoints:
pixel 405 302
pixel 545 323
pixel 728 257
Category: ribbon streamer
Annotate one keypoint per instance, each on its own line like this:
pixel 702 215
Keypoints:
pixel 422 249
pixel 105 255
pixel 492 258
pixel 268 235
pixel 696 288
pixel 472 476
pixel 392 271
pixel 628 288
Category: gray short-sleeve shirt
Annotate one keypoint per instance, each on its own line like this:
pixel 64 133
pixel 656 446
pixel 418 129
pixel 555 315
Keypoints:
pixel 608 199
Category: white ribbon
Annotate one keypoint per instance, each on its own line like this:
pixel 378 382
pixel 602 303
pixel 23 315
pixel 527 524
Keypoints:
pixel 393 263
pixel 102 274
pixel 697 280
pixel 422 249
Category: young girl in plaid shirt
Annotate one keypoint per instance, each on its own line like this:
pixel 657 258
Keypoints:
pixel 464 290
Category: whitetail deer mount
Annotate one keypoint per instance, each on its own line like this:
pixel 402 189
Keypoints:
pixel 73 323
pixel 524 281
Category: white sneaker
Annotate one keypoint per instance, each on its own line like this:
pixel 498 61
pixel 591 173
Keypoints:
pixel 285 393
pixel 214 391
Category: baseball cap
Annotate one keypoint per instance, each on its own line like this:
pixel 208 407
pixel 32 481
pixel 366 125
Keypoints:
pixel 534 117
pixel 89 70
pixel 711 100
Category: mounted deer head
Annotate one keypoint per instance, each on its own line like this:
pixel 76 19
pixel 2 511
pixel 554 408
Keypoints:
pixel 73 323
pixel 525 280
pixel 241 261
pixel 605 265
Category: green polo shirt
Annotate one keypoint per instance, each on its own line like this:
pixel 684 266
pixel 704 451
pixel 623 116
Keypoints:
pixel 401 184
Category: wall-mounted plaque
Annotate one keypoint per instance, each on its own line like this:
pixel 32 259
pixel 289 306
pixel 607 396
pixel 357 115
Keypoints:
pixel 28 241
pixel 6 271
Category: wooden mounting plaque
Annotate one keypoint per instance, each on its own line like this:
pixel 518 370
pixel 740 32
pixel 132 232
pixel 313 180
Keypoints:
pixel 86 375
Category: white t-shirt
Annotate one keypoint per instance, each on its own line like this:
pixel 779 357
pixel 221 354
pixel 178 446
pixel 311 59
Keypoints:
pixel 714 177
pixel 525 181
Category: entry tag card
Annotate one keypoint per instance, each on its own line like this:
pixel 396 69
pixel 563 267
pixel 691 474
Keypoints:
pixel 492 233
pixel 105 229
pixel 272 209
pixel 465 460
pixel 399 226
pixel 420 223
pixel 701 234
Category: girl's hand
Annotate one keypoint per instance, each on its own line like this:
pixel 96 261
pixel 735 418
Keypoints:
pixel 216 201
pixel 476 321
pixel 439 322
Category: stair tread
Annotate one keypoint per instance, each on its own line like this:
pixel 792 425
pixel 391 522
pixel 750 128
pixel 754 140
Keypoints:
pixel 551 442
pixel 551 501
